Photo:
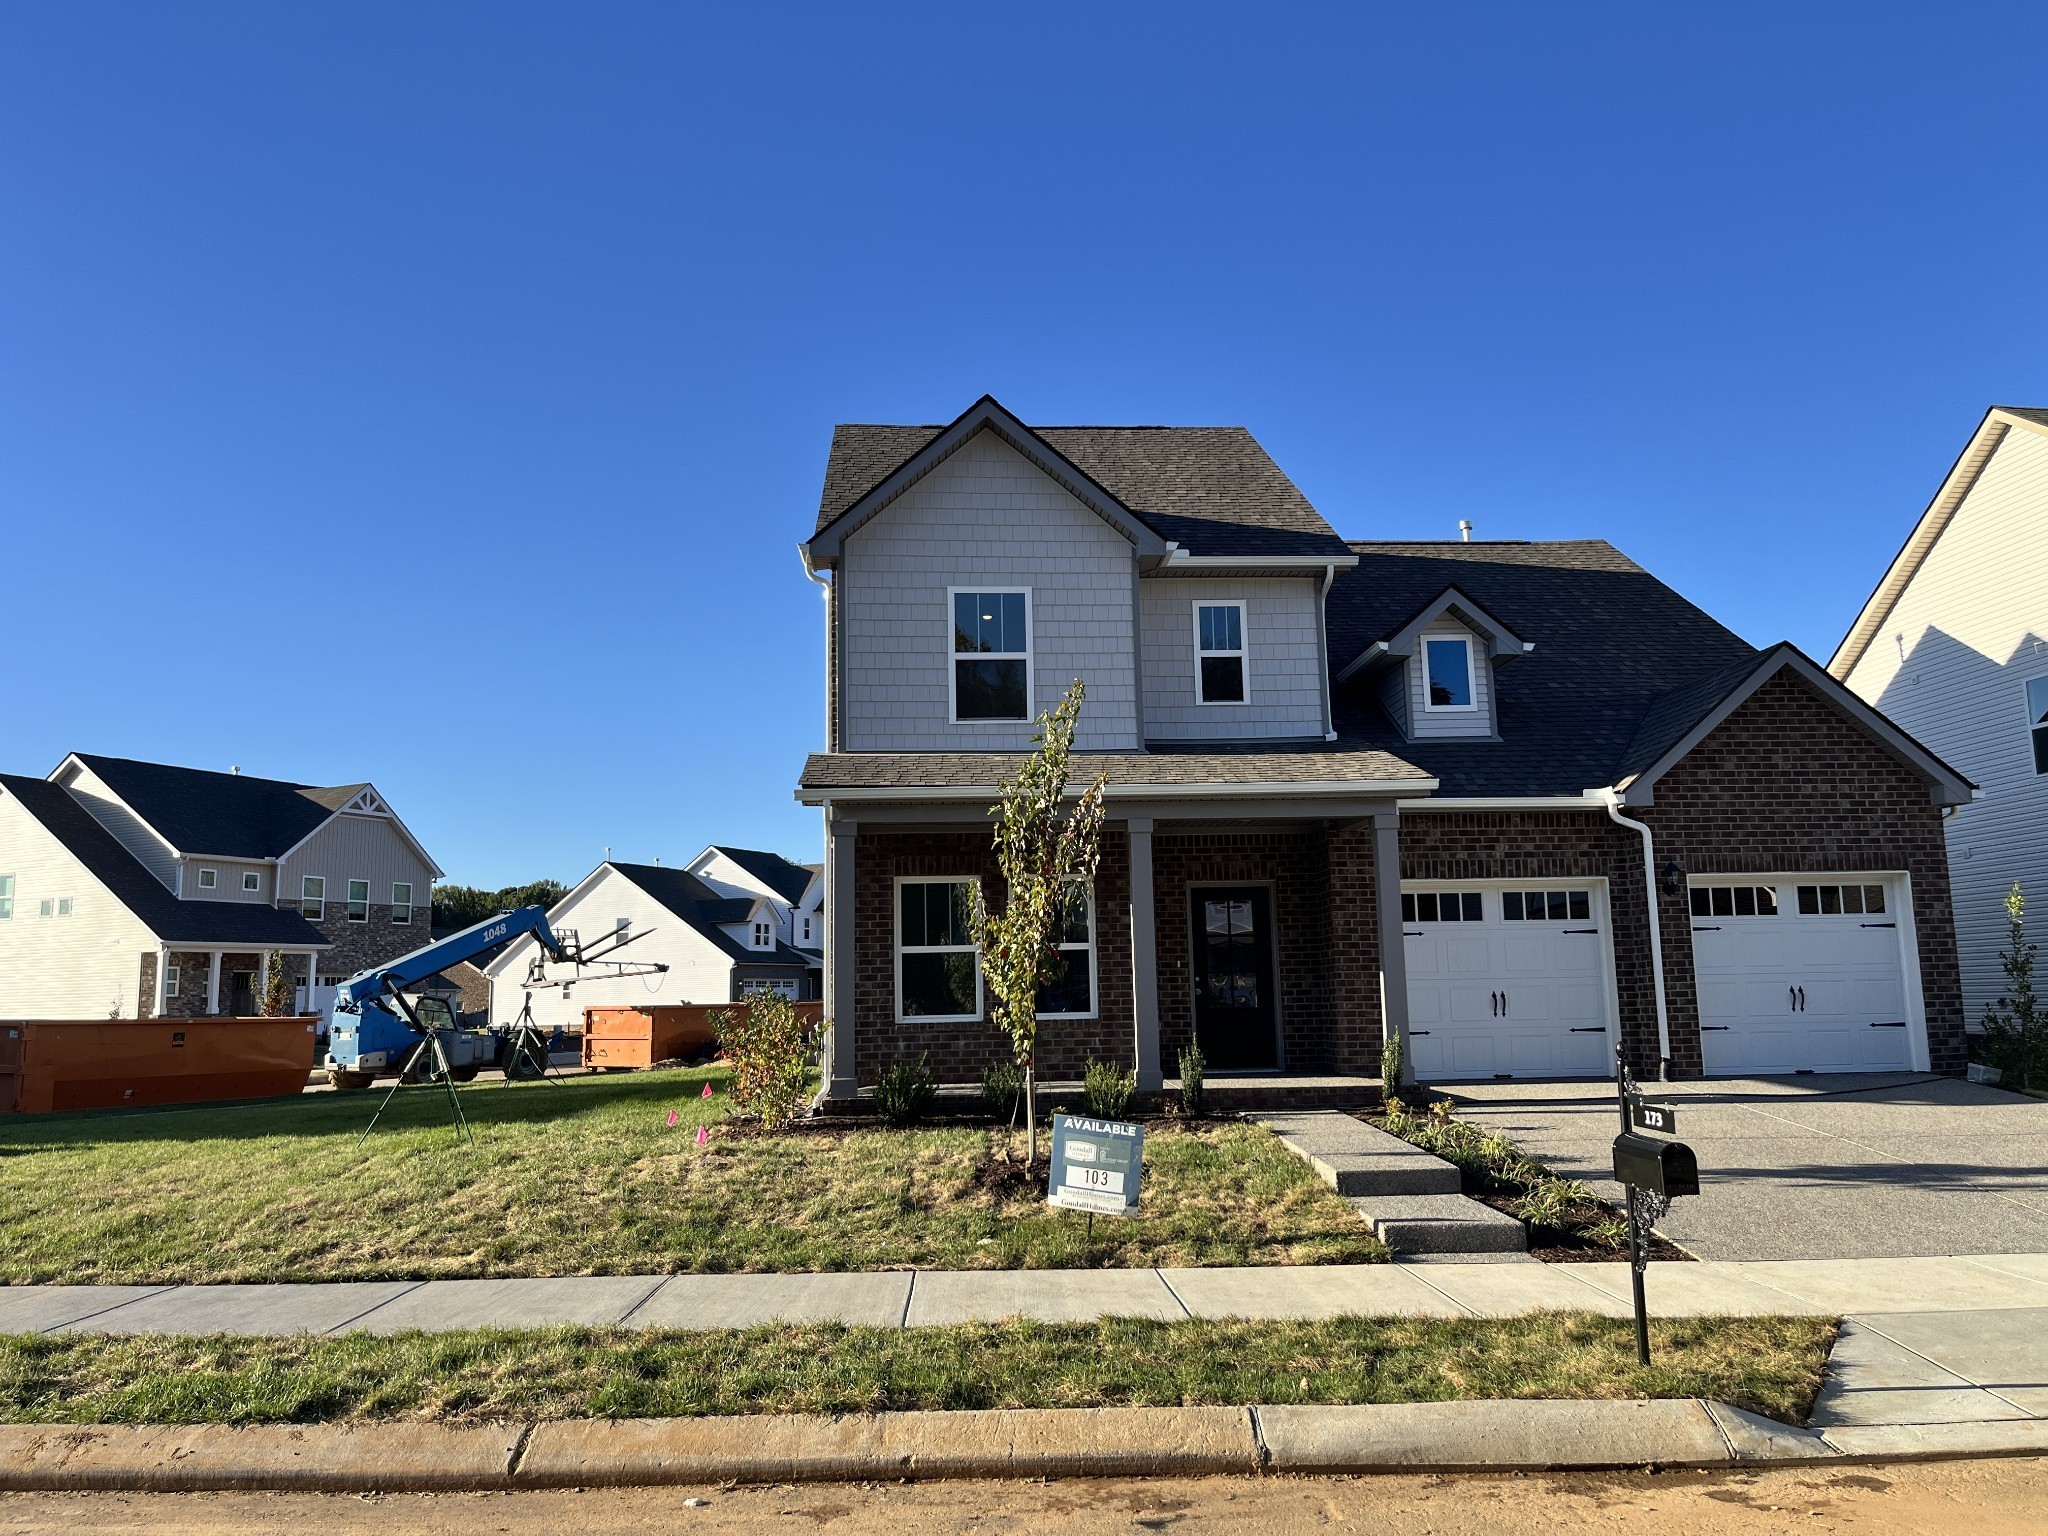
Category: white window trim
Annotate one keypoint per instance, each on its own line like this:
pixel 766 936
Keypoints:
pixel 306 896
pixel 349 900
pixel 1243 653
pixel 2027 709
pixel 1471 676
pixel 953 658
pixel 171 980
pixel 896 930
pixel 406 886
pixel 1092 946
pixel 46 907
pixel 7 896
pixel 208 879
pixel 252 880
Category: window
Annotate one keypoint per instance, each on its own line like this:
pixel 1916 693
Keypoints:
pixel 206 879
pixel 1840 900
pixel 401 902
pixel 1443 907
pixel 764 935
pixel 938 971
pixel 1219 653
pixel 63 906
pixel 251 881
pixel 2037 720
pixel 991 656
pixel 359 901
pixel 1734 901
pixel 1449 666
pixel 332 981
pixel 1072 996
pixel 46 908
pixel 6 897
pixel 313 897
pixel 170 981
pixel 807 928
pixel 1546 906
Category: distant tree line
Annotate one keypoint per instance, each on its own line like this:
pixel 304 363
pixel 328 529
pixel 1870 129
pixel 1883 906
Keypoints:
pixel 460 906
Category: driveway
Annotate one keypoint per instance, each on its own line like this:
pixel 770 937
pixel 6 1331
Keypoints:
pixel 1812 1167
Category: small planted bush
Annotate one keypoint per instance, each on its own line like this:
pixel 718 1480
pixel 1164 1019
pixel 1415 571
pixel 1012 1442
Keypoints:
pixel 772 1050
pixel 904 1092
pixel 1002 1085
pixel 1192 1066
pixel 1109 1089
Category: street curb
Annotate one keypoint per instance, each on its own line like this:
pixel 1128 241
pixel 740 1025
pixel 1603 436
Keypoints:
pixel 1483 1436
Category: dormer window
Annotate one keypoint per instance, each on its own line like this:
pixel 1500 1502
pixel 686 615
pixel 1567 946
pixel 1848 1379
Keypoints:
pixel 1449 673
pixel 1219 653
pixel 764 936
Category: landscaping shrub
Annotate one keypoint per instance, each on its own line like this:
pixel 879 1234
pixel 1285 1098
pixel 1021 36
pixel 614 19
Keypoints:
pixel 1109 1089
pixel 1002 1085
pixel 772 1050
pixel 1192 1063
pixel 2015 1038
pixel 904 1092
pixel 1534 1193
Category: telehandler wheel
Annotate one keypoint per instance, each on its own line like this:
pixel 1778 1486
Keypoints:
pixel 349 1082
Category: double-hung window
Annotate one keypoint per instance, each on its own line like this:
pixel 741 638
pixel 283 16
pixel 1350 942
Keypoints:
pixel 359 901
pixel 2037 720
pixel 313 897
pixel 6 897
pixel 1072 995
pixel 1449 672
pixel 170 981
pixel 938 969
pixel 1219 653
pixel 991 656
pixel 764 936
pixel 401 901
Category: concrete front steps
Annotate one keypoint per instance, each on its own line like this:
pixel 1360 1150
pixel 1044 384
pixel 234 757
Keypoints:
pixel 1409 1198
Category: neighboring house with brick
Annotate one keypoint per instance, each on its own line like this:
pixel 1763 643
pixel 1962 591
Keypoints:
pixel 1519 802
pixel 730 922
pixel 143 890
pixel 1953 645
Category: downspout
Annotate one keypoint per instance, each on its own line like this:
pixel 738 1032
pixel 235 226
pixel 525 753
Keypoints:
pixel 1612 799
pixel 831 680
pixel 1323 645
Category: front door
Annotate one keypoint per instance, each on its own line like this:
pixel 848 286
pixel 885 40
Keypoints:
pixel 242 994
pixel 1235 1017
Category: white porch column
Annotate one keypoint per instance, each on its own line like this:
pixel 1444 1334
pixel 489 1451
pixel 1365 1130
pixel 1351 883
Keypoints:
pixel 1386 865
pixel 163 981
pixel 213 982
pixel 840 1079
pixel 1144 960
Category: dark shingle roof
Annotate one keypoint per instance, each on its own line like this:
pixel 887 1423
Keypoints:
pixel 226 923
pixel 1619 657
pixel 1212 490
pixel 2032 413
pixel 704 909
pixel 1165 767
pixel 786 879
pixel 232 815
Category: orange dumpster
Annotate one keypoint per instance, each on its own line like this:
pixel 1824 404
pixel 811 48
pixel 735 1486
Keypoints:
pixel 58 1064
pixel 640 1036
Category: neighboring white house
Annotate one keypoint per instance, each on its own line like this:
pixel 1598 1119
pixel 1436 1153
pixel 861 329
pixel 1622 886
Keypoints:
pixel 723 925
pixel 1953 645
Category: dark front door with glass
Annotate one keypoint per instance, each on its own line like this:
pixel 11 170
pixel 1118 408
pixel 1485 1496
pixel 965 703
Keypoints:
pixel 1234 1015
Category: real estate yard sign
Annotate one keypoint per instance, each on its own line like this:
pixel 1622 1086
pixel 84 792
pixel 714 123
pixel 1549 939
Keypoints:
pixel 1096 1165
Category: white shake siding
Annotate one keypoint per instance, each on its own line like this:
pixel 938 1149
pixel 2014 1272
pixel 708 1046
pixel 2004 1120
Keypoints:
pixel 359 848
pixel 1283 662
pixel 126 828
pixel 1951 664
pixel 84 966
pixel 986 518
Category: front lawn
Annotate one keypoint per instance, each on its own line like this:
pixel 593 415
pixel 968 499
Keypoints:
pixel 587 1177
pixel 1770 1366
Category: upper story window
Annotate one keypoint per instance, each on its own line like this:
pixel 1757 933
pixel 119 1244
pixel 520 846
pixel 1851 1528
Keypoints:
pixel 206 879
pixel 764 936
pixel 47 907
pixel 313 897
pixel 359 901
pixel 2037 720
pixel 401 902
pixel 6 897
pixel 938 969
pixel 1447 677
pixel 1219 653
pixel 251 881
pixel 63 906
pixel 991 656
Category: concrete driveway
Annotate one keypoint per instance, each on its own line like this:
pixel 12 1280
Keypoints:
pixel 1813 1167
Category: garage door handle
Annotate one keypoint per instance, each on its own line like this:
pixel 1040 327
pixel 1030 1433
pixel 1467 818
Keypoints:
pixel 1901 1024
pixel 1715 929
pixel 1713 1028
pixel 1414 1032
pixel 1582 930
pixel 1417 935
pixel 1590 1029
pixel 1802 999
pixel 1877 925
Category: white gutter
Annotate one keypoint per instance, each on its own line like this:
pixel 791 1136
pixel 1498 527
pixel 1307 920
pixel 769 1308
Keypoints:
pixel 1612 799
pixel 1178 559
pixel 804 553
pixel 1586 802
pixel 1368 789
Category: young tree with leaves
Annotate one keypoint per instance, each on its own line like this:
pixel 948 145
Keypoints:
pixel 2015 1027
pixel 1043 847
pixel 276 1000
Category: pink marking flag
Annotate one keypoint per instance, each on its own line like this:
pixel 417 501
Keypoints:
pixel 707 1090
pixel 673 1117
pixel 703 1134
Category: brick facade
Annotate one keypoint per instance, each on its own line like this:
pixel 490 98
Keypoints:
pixel 358 946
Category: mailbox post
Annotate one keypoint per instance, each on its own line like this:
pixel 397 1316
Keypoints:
pixel 1653 1173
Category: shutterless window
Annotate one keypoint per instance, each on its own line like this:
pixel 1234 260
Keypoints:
pixel 938 970
pixel 1449 679
pixel 1219 647
pixel 206 879
pixel 991 656
pixel 401 902
pixel 2037 720
pixel 762 936
pixel 1734 901
pixel 6 897
pixel 171 981
pixel 251 881
pixel 1443 907
pixel 1840 900
pixel 313 896
pixel 63 906
pixel 1546 906
pixel 359 901
pixel 47 907
pixel 1072 996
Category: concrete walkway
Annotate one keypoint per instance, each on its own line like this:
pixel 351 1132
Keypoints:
pixel 910 1299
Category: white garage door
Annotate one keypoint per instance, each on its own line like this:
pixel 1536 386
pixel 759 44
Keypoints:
pixel 1507 980
pixel 1799 975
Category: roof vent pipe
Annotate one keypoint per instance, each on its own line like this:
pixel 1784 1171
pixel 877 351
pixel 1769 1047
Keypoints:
pixel 235 769
pixel 1465 529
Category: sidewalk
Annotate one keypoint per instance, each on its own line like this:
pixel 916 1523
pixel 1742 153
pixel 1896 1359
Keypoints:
pixel 911 1299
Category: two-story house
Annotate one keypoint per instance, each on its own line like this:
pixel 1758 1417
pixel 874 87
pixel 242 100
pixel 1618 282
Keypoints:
pixel 729 922
pixel 1953 645
pixel 141 890
pixel 1519 803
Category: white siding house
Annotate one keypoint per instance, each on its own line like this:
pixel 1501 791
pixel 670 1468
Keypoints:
pixel 1953 646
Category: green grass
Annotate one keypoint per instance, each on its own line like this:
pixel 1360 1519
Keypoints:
pixel 587 1178
pixel 1767 1365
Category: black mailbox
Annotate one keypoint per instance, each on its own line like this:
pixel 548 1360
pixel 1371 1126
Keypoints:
pixel 1665 1168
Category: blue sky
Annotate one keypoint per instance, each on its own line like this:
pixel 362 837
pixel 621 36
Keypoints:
pixel 436 394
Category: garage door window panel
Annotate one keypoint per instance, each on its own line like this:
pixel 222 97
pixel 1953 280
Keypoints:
pixel 1546 906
